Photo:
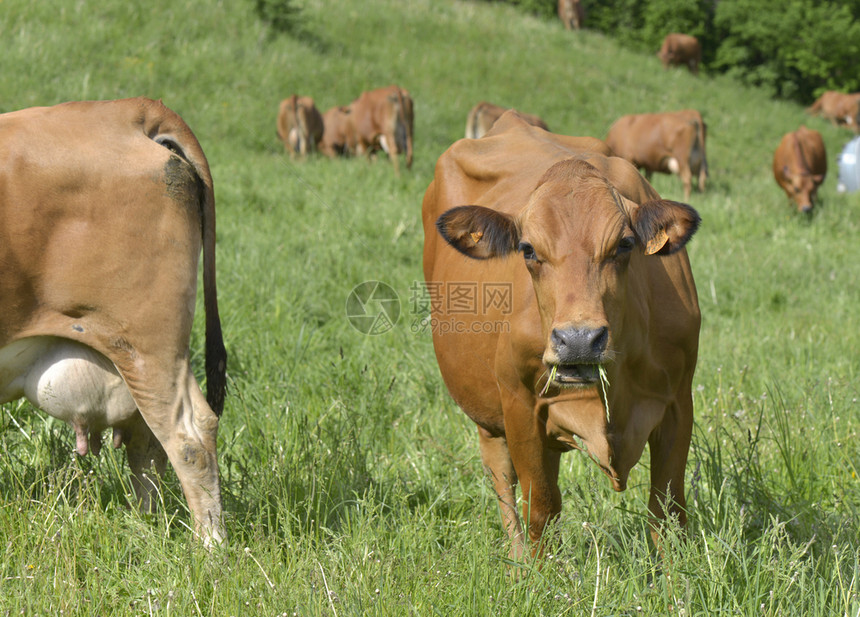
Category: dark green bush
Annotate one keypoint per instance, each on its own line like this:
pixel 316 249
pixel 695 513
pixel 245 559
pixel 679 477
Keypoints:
pixel 282 16
pixel 795 49
pixel 542 8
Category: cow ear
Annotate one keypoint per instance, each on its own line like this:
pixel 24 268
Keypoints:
pixel 664 226
pixel 479 232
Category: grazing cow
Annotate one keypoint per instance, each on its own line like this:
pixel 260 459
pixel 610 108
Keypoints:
pixel 338 136
pixel 483 115
pixel 670 143
pixel 571 13
pixel 841 109
pixel 601 283
pixel 800 165
pixel 104 210
pixel 382 119
pixel 300 125
pixel 681 50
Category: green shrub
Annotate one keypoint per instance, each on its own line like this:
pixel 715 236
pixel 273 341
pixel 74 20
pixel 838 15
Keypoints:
pixel 793 49
pixel 621 19
pixel 280 15
pixel 542 8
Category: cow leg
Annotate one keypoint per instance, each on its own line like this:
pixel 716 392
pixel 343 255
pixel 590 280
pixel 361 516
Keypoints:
pixel 393 152
pixel 670 443
pixel 187 429
pixel 303 142
pixel 409 154
pixel 538 474
pixel 146 459
pixel 687 180
pixel 404 141
pixel 294 142
pixel 498 465
pixel 362 149
pixel 536 467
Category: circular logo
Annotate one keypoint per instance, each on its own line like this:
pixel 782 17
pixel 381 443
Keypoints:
pixel 373 308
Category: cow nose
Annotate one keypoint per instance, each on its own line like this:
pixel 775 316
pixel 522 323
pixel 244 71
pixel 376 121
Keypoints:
pixel 806 208
pixel 579 345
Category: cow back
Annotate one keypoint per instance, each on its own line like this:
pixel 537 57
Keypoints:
pixel 54 160
pixel 649 140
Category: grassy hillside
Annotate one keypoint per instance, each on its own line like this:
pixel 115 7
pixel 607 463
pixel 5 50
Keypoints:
pixel 352 483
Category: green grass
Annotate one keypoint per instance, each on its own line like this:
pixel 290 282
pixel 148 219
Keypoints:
pixel 352 483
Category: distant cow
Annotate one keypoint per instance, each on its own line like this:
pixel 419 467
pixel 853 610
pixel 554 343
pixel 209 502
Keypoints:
pixel 382 119
pixel 601 285
pixel 300 125
pixel 841 109
pixel 669 142
pixel 483 115
pixel 104 210
pixel 681 50
pixel 800 166
pixel 338 134
pixel 571 13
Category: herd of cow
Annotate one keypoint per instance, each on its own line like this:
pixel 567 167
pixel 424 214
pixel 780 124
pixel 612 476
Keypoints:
pixel 665 142
pixel 800 159
pixel 380 119
pixel 106 208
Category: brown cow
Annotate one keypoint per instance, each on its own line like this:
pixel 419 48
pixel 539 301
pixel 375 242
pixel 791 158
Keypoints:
pixel 800 165
pixel 383 119
pixel 681 50
pixel 841 109
pixel 483 115
pixel 300 125
pixel 602 283
pixel 104 211
pixel 669 142
pixel 338 135
pixel 571 13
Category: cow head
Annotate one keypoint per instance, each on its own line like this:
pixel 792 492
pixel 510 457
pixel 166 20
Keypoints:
pixel 577 236
pixel 804 187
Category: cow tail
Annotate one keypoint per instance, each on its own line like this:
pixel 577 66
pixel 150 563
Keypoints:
pixel 216 353
pixel 408 120
pixel 188 148
pixel 302 127
pixel 406 126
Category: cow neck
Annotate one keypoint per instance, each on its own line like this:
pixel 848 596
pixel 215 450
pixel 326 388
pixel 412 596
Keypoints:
pixel 801 157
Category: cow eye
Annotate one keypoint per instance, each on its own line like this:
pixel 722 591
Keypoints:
pixel 625 245
pixel 528 251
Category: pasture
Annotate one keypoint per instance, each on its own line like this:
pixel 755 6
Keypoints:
pixel 352 484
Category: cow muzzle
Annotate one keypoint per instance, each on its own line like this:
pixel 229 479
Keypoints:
pixel 576 354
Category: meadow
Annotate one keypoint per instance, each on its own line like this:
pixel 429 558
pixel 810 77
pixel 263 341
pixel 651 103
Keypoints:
pixel 352 484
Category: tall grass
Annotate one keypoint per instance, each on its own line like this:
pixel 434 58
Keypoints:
pixel 352 483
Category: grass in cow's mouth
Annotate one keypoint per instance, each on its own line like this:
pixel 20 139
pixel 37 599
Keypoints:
pixel 552 375
pixel 550 379
pixel 604 387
